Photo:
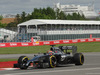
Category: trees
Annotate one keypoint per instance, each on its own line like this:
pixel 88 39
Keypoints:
pixel 18 19
pixel 47 13
pixel 1 17
pixel 43 13
pixel 62 16
pixel 23 17
pixel 1 24
pixel 51 13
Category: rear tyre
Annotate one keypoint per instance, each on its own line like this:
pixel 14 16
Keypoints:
pixel 52 61
pixel 78 59
pixel 22 61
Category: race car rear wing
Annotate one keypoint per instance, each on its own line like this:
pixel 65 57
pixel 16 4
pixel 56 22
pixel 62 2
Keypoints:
pixel 73 48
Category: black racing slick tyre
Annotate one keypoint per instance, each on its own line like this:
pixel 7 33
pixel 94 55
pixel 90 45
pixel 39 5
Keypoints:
pixel 52 61
pixel 79 59
pixel 22 61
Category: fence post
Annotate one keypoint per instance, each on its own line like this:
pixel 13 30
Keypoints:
pixel 90 36
pixel 32 39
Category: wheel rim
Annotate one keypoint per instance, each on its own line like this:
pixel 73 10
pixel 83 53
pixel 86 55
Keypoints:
pixel 52 61
pixel 24 60
pixel 23 63
pixel 81 59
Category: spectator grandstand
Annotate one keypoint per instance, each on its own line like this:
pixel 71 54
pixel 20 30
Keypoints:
pixel 53 30
pixel 60 29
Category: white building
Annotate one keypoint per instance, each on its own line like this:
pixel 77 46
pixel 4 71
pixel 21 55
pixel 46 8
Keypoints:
pixel 87 11
pixel 7 35
pixel 8 15
pixel 59 29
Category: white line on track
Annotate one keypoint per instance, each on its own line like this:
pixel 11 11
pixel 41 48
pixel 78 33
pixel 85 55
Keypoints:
pixel 54 71
pixel 92 73
pixel 2 69
pixel 93 64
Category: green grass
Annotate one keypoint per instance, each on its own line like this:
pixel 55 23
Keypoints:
pixel 5 60
pixel 82 47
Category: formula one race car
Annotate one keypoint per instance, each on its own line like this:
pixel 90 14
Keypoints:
pixel 55 57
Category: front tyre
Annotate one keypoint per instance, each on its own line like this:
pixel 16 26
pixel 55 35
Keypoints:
pixel 22 61
pixel 78 59
pixel 52 61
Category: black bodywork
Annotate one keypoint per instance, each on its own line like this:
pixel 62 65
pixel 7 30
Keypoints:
pixel 58 56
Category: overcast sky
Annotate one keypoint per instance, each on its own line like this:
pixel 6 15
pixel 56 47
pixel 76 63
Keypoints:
pixel 17 6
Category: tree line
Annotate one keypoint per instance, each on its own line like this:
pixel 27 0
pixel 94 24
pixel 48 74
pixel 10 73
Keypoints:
pixel 47 13
pixel 43 13
pixel 1 24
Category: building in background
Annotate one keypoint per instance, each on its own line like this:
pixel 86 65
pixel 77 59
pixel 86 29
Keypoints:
pixel 48 30
pixel 8 15
pixel 7 35
pixel 58 29
pixel 87 11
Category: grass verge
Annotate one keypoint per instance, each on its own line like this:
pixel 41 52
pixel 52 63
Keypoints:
pixel 82 47
pixel 5 60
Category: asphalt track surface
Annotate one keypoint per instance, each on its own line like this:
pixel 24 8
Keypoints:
pixel 90 67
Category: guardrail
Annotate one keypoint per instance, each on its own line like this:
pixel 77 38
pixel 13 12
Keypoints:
pixel 23 44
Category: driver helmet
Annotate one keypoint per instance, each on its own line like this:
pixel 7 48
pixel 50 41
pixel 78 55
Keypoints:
pixel 49 51
pixel 52 49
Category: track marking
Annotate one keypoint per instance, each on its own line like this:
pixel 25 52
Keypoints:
pixel 93 64
pixel 1 69
pixel 93 73
pixel 82 69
